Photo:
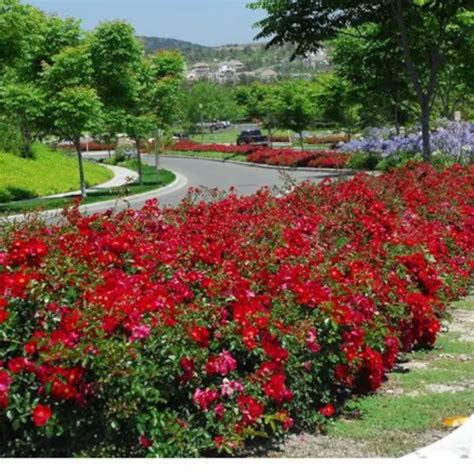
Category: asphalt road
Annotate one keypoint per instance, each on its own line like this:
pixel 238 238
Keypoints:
pixel 225 175
pixel 204 174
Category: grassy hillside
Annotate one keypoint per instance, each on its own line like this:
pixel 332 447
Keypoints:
pixel 253 55
pixel 48 173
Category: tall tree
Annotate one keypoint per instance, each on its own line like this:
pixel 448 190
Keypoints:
pixel 372 66
pixel 77 110
pixel 74 105
pixel 419 26
pixel 294 108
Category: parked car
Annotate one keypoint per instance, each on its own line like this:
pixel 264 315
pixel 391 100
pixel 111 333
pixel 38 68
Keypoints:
pixel 252 137
pixel 180 136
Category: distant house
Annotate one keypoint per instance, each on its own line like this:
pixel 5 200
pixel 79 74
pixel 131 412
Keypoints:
pixel 201 70
pixel 191 76
pixel 268 75
pixel 236 65
pixel 316 60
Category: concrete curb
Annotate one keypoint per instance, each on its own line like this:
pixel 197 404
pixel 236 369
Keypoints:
pixel 178 183
pixel 341 171
pixel 459 444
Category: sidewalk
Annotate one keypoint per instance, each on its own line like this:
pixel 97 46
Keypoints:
pixel 122 176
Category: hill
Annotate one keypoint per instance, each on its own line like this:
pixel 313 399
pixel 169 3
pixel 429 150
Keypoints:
pixel 253 55
pixel 154 43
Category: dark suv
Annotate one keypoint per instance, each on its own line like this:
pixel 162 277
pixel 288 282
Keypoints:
pixel 252 137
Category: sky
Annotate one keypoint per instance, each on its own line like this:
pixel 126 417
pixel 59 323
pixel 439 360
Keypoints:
pixel 206 22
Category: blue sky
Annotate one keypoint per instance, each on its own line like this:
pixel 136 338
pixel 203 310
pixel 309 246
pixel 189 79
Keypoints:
pixel 208 22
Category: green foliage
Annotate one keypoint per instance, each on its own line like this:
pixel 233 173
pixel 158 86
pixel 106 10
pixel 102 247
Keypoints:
pixel 75 111
pixel 47 173
pixel 210 102
pixel 116 56
pixel 23 105
pixel 363 161
pixel 293 107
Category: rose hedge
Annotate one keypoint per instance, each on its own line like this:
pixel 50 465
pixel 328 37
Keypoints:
pixel 289 157
pixel 190 330
pixel 334 139
pixel 269 156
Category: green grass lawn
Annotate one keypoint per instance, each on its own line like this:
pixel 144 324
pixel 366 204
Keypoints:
pixel 153 179
pixel 49 172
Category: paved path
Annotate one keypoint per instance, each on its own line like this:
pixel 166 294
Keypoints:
pixel 121 177
pixel 224 175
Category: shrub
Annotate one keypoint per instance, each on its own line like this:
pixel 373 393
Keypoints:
pixel 189 331
pixel 363 161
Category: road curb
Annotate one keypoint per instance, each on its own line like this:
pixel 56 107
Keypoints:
pixel 179 182
pixel 269 167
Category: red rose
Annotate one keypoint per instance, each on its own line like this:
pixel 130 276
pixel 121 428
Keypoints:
pixel 327 410
pixel 200 335
pixel 41 414
pixel 145 442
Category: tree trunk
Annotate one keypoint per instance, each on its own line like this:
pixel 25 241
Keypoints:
pixel 139 161
pixel 26 151
pixel 270 136
pixel 301 140
pixel 82 179
pixel 157 149
pixel 396 119
pixel 425 130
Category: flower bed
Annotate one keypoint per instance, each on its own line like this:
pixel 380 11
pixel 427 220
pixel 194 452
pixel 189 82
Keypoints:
pixel 452 139
pixel 316 140
pixel 276 157
pixel 213 147
pixel 190 330
pixel 289 157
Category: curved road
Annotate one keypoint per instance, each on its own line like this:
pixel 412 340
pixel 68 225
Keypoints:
pixel 200 173
pixel 224 175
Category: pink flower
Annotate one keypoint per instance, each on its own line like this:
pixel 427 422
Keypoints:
pixel 205 398
pixel 140 332
pixel 228 388
pixel 219 410
pixel 311 339
pixel 221 364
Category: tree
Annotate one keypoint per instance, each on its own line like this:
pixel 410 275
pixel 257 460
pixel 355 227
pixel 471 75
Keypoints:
pixel 294 108
pixel 210 102
pixel 368 65
pixel 419 26
pixel 116 55
pixel 167 69
pixel 24 106
pixel 75 111
pixel 456 82
pixel 18 25
pixel 123 80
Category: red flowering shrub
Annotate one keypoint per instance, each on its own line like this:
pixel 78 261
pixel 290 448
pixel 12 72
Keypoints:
pixel 290 157
pixel 333 138
pixel 199 148
pixel 179 332
pixel 275 156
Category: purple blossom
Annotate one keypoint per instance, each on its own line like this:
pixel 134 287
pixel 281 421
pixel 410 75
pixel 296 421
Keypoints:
pixel 453 139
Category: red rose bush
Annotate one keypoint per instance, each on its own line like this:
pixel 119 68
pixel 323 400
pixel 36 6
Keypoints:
pixel 188 331
pixel 269 156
